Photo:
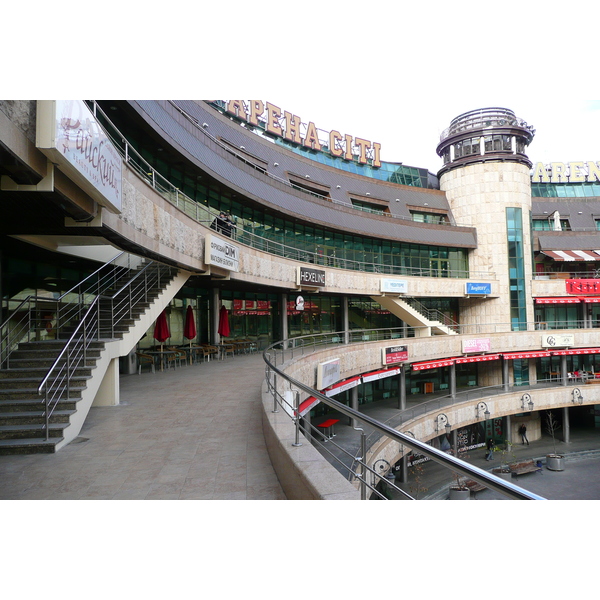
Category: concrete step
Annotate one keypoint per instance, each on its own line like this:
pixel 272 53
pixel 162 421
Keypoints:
pixel 34 417
pixel 17 432
pixel 17 405
pixel 33 445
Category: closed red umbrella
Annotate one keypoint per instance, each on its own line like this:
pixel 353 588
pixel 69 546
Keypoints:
pixel 224 322
pixel 161 328
pixel 189 330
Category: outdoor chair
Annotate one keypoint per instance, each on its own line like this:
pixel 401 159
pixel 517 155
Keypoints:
pixel 144 359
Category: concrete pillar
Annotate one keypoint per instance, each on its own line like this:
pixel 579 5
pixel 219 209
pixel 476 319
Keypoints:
pixel 109 392
pixel 354 404
pixel 345 320
pixel 283 298
pixel 505 375
pixel 508 428
pixel 453 381
pixel 566 426
pixel 563 369
pixel 215 307
pixel 402 388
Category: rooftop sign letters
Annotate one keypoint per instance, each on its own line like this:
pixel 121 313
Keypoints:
pixel 290 127
pixel 572 172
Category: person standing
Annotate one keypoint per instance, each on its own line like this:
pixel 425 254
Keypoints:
pixel 490 449
pixel 523 434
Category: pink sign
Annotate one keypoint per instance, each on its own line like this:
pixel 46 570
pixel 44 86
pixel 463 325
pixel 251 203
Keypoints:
pixel 477 345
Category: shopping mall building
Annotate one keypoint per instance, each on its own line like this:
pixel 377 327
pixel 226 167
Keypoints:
pixel 483 274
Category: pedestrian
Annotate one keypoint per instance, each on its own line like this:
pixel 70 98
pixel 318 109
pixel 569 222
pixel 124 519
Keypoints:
pixel 220 223
pixel 523 434
pixel 490 449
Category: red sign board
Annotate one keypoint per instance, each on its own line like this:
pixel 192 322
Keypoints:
pixel 583 286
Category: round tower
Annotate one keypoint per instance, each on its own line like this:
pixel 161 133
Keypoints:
pixel 486 177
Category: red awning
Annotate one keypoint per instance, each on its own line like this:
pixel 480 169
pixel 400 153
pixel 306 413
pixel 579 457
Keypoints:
pixel 432 364
pixel 533 354
pixel 571 255
pixel 558 300
pixel 576 351
pixel 588 299
pixel 478 358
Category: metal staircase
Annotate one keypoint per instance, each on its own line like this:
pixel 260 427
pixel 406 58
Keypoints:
pixel 50 349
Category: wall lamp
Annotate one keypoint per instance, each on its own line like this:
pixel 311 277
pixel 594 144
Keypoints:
pixel 442 421
pixel 482 406
pixel 205 125
pixel 526 402
pixel 577 396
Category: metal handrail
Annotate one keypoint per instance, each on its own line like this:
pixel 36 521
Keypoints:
pixel 456 465
pixel 321 255
pixel 118 306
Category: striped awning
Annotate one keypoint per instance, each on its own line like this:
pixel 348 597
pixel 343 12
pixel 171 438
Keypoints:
pixel 571 255
pixel 559 300
pixel 532 354
pixel 477 358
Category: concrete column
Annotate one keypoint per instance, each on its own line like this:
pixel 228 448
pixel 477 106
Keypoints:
pixel 215 307
pixel 505 375
pixel 402 388
pixel 566 426
pixel 345 320
pixel 453 381
pixel 283 298
pixel 563 369
pixel 109 392
pixel 404 469
pixel 508 428
pixel 354 404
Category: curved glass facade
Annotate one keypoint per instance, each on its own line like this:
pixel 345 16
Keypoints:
pixel 565 190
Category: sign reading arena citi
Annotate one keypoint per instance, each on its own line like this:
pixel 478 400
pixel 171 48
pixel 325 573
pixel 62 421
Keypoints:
pixel 290 127
pixel 572 172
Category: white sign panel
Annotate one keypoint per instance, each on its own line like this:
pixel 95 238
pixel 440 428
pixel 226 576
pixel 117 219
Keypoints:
pixel 557 341
pixel 394 286
pixel 69 134
pixel 221 253
pixel 328 373
pixel 477 345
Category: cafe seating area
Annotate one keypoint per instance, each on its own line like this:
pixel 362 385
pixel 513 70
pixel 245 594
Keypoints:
pixel 159 358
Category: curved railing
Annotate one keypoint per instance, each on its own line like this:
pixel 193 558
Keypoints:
pixel 319 254
pixel 289 400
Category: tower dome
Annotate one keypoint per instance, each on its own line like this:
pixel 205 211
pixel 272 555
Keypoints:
pixel 485 134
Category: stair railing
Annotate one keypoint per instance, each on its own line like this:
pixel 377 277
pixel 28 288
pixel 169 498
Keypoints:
pixel 433 314
pixel 119 306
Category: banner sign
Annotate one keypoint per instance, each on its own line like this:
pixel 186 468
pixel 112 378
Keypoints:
pixel 394 354
pixel 221 253
pixel 394 286
pixel 558 341
pixel 583 286
pixel 376 375
pixel 477 345
pixel 477 289
pixel 328 373
pixel 69 134
pixel 310 277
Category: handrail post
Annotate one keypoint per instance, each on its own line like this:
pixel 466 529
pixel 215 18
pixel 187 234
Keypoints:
pixel 47 411
pixel 363 467
pixel 297 441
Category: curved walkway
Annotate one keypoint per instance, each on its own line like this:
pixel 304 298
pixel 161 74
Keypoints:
pixel 191 433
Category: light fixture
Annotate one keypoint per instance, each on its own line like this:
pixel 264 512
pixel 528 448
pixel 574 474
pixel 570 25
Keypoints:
pixel 307 176
pixel 205 125
pixel 397 199
pixel 338 187
pixel 425 204
pixel 275 164
pixel 577 396
pixel 526 402
pixel 368 193
pixel 442 421
pixel 242 147
pixel 482 406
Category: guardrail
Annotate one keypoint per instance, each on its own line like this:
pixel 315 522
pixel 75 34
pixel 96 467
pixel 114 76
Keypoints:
pixel 318 254
pixel 276 382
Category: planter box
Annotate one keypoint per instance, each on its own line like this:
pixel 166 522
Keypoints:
pixel 458 494
pixel 555 462
pixel 502 474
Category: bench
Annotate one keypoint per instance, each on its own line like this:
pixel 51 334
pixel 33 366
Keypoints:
pixel 474 486
pixel 521 468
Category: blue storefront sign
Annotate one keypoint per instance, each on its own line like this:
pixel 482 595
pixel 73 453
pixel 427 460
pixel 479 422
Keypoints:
pixel 477 289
